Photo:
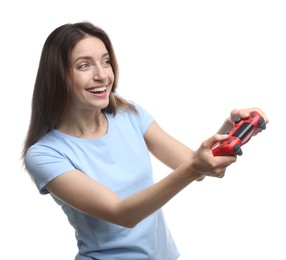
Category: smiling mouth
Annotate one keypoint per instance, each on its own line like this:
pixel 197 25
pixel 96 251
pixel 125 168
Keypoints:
pixel 97 90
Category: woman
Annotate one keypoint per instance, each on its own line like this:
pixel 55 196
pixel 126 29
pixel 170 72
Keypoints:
pixel 89 149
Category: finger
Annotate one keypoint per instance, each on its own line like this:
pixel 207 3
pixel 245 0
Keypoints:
pixel 224 161
pixel 243 113
pixel 214 139
pixel 257 131
pixel 218 174
pixel 221 175
pixel 201 178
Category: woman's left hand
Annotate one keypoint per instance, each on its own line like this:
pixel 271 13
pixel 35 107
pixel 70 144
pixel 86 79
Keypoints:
pixel 244 113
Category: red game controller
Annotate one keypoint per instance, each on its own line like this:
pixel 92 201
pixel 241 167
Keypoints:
pixel 243 130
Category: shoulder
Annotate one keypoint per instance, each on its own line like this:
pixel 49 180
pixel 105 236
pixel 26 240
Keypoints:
pixel 141 118
pixel 50 148
pixel 46 160
pixel 50 142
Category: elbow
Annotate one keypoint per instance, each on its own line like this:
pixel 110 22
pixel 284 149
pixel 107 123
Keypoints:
pixel 129 225
pixel 124 215
pixel 126 218
pixel 126 222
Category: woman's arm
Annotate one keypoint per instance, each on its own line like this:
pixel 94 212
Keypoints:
pixel 165 148
pixel 89 196
pixel 92 198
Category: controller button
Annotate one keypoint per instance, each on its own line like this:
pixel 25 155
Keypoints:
pixel 261 123
pixel 237 119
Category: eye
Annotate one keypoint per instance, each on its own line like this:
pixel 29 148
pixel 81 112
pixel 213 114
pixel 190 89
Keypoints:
pixel 84 66
pixel 106 62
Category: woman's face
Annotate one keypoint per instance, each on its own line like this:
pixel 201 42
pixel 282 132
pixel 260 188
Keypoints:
pixel 92 75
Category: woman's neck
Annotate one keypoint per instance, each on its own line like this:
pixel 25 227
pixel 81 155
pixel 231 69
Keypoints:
pixel 85 125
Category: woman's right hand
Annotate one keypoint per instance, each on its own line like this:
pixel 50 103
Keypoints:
pixel 206 164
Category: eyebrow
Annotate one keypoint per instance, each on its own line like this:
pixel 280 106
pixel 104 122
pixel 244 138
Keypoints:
pixel 89 57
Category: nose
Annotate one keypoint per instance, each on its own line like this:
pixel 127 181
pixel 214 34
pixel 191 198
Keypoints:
pixel 99 73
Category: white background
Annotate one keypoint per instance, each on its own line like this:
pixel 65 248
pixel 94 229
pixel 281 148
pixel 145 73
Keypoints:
pixel 189 63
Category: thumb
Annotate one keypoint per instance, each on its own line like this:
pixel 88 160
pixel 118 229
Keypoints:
pixel 214 139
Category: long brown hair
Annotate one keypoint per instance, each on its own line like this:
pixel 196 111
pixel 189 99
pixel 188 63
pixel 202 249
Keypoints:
pixel 51 97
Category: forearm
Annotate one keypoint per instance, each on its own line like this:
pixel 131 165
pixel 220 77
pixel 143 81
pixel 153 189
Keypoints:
pixel 89 196
pixel 166 148
pixel 140 205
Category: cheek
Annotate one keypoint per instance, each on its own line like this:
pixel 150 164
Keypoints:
pixel 111 76
pixel 75 87
pixel 79 81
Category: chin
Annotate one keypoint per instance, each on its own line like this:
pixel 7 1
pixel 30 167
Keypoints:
pixel 104 104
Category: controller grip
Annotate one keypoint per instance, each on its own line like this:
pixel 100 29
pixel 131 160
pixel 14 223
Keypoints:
pixel 237 149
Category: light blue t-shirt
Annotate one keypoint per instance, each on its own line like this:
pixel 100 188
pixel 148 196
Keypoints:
pixel 119 160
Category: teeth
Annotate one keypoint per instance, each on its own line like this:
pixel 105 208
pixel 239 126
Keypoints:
pixel 94 90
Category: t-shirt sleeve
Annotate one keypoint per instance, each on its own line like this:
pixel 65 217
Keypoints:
pixel 44 164
pixel 145 118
